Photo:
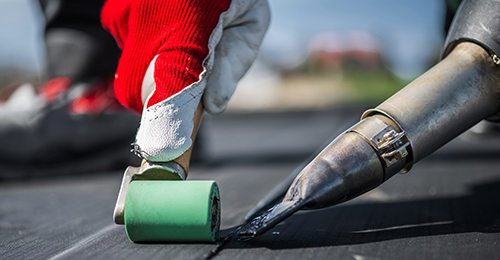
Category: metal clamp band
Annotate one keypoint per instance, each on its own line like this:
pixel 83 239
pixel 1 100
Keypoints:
pixel 391 146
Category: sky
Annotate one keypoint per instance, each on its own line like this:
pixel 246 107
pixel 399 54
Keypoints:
pixel 21 37
pixel 410 31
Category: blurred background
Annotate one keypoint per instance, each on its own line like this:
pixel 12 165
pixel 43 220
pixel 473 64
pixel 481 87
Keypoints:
pixel 316 54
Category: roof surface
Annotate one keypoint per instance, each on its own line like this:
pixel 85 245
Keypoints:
pixel 447 207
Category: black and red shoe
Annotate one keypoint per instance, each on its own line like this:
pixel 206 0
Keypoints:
pixel 62 127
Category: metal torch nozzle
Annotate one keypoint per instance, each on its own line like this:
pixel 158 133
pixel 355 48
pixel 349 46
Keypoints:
pixel 358 160
pixel 444 102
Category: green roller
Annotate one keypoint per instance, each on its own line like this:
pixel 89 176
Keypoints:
pixel 172 211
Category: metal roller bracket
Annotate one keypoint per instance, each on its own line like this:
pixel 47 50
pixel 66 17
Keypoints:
pixel 147 171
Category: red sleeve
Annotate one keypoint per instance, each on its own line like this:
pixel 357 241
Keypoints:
pixel 178 31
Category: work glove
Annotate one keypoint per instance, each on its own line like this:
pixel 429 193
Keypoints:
pixel 175 53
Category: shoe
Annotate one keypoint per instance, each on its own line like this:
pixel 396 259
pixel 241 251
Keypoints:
pixel 63 127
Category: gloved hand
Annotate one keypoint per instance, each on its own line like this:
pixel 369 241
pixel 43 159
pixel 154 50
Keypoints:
pixel 175 52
